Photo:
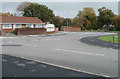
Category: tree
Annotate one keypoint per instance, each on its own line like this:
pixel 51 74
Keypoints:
pixel 116 22
pixel 38 10
pixel 75 21
pixel 57 21
pixel 105 16
pixel 6 14
pixel 66 22
pixel 87 17
pixel 23 5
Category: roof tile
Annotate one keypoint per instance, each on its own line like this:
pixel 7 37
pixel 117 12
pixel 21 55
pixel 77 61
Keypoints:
pixel 14 19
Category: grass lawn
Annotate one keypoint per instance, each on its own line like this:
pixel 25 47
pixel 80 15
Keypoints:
pixel 110 38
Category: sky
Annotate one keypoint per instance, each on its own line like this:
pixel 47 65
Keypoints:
pixel 64 9
pixel 61 0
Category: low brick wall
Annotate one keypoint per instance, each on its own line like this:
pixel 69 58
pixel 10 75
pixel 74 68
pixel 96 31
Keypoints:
pixel 72 28
pixel 8 30
pixel 2 32
pixel 29 31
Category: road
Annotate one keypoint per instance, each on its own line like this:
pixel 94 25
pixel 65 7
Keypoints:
pixel 18 67
pixel 65 51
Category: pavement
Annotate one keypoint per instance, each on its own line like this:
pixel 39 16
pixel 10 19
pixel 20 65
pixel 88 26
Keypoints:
pixel 42 35
pixel 65 51
pixel 95 41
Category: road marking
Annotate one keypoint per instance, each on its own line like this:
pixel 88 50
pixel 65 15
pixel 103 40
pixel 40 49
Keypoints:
pixel 30 45
pixel 8 37
pixel 64 67
pixel 10 42
pixel 78 52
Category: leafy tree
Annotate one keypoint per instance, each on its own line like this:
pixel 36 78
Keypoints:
pixel 87 17
pixel 116 22
pixel 75 21
pixel 105 16
pixel 38 10
pixel 57 21
pixel 67 22
pixel 6 14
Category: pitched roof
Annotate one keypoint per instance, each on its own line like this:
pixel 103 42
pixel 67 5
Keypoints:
pixel 14 19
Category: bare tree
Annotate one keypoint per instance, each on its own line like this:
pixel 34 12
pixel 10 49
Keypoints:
pixel 22 6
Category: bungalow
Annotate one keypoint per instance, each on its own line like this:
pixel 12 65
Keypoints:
pixel 9 23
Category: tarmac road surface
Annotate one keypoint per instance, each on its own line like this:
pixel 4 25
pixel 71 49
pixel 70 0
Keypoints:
pixel 65 51
pixel 18 67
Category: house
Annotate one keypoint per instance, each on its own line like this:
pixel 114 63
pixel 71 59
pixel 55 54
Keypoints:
pixel 9 23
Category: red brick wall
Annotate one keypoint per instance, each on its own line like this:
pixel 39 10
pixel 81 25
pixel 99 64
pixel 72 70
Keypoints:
pixel 71 28
pixel 29 31
pixel 3 33
pixel 8 30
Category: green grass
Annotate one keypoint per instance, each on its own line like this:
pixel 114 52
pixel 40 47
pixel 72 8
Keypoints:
pixel 115 31
pixel 109 38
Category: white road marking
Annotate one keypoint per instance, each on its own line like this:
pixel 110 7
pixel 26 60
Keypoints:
pixel 10 42
pixel 8 37
pixel 19 43
pixel 78 52
pixel 30 45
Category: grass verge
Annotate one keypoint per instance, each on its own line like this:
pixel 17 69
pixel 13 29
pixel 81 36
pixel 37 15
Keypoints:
pixel 111 38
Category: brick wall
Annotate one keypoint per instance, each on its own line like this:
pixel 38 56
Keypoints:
pixel 8 30
pixel 29 31
pixel 71 28
pixel 2 32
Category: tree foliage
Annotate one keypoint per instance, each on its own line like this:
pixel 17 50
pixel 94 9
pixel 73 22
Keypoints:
pixel 116 22
pixel 6 14
pixel 57 21
pixel 75 21
pixel 37 10
pixel 87 17
pixel 66 22
pixel 87 13
pixel 105 16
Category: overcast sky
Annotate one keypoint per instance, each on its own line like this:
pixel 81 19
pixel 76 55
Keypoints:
pixel 64 9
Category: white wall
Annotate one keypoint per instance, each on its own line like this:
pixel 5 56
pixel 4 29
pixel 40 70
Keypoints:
pixel 50 29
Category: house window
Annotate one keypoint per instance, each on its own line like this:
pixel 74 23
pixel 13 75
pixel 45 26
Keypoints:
pixel 38 25
pixel 29 25
pixel 7 26
pixel 18 26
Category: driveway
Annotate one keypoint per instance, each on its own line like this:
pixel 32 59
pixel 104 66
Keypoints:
pixel 65 51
